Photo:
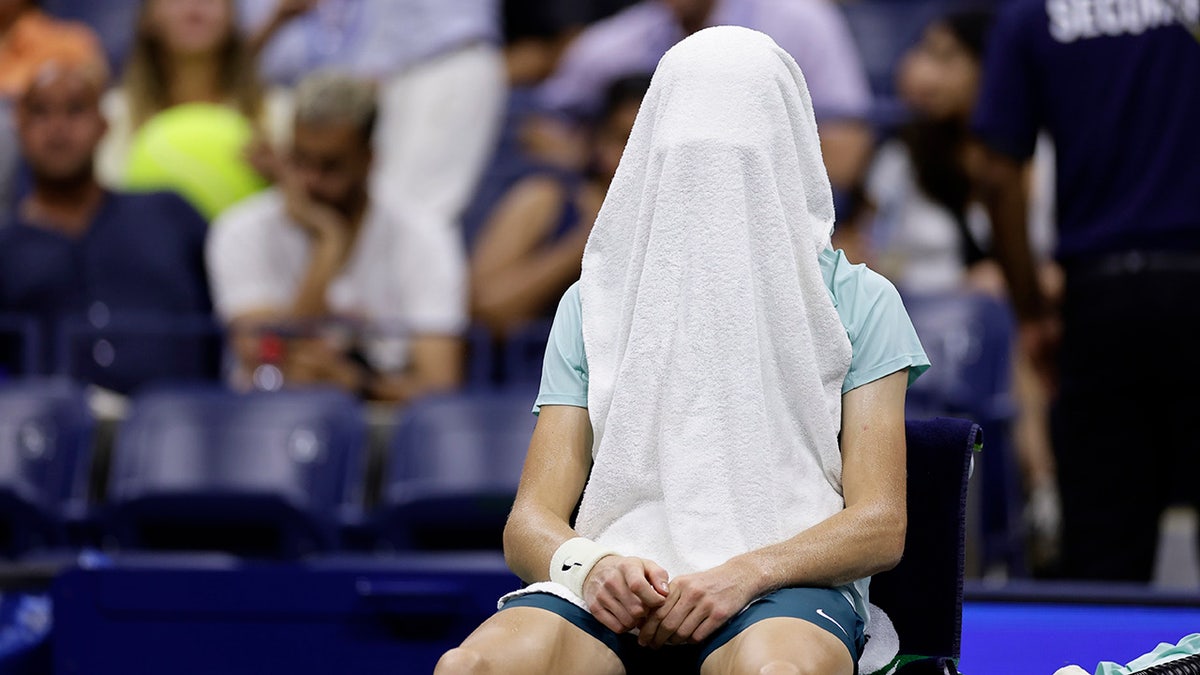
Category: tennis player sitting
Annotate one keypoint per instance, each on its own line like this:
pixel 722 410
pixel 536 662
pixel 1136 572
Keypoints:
pixel 722 397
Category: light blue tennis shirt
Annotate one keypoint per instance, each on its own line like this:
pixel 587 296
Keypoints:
pixel 882 337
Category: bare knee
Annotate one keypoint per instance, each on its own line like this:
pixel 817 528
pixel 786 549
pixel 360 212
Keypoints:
pixel 785 667
pixel 780 668
pixel 462 661
pixel 754 662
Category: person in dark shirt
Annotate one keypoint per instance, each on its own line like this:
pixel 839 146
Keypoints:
pixel 1114 85
pixel 125 269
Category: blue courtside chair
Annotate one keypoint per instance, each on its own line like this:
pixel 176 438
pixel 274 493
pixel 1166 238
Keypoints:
pixel 923 594
pixel 970 338
pixel 45 453
pixel 453 469
pixel 260 474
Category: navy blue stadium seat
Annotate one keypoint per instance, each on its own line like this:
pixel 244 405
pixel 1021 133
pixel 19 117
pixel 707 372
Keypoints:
pixel 512 361
pixel 128 350
pixel 970 339
pixel 45 451
pixel 453 470
pixel 482 360
pixel 20 346
pixel 524 351
pixel 398 613
pixel 261 474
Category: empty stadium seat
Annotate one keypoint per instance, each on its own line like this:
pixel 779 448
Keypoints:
pixel 262 474
pixel 970 339
pixel 453 470
pixel 45 448
pixel 20 346
pixel 399 613
pixel 524 351
pixel 124 351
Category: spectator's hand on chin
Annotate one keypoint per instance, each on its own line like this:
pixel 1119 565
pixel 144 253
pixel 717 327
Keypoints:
pixel 322 223
pixel 622 591
pixel 698 604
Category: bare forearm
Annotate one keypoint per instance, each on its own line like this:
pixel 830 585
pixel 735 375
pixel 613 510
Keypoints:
pixel 552 481
pixel 852 544
pixel 531 537
pixel 1004 195
pixel 404 387
pixel 310 301
pixel 519 292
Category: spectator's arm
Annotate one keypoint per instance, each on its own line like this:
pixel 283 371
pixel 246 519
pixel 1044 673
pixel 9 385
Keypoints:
pixel 1000 180
pixel 435 365
pixel 248 296
pixel 331 238
pixel 284 12
pixel 515 273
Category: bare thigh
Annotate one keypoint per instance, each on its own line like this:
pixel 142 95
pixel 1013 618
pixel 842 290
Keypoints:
pixel 781 646
pixel 533 641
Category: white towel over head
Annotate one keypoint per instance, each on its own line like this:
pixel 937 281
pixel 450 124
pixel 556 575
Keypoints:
pixel 715 354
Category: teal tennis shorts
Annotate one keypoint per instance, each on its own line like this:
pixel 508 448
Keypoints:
pixel 823 607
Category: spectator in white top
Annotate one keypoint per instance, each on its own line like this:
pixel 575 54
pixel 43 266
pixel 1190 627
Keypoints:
pixel 321 283
pixel 441 83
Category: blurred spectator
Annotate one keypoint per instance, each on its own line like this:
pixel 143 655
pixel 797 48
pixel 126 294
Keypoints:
pixel 76 249
pixel 441 79
pixel 322 283
pixel 537 31
pixel 189 52
pixel 530 249
pixel 1114 86
pixel 27 38
pixel 632 41
pixel 930 231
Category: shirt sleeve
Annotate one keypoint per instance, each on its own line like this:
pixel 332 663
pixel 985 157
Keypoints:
pixel 882 337
pixel 238 255
pixel 1006 116
pixel 564 369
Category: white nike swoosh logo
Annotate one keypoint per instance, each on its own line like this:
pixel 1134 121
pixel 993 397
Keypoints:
pixel 822 613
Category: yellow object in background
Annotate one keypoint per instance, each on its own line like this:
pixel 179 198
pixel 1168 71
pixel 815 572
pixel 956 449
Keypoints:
pixel 197 150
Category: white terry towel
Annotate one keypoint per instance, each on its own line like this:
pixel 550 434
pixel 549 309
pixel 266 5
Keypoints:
pixel 715 355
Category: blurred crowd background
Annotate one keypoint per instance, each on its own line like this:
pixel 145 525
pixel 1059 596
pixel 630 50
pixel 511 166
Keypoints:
pixel 390 196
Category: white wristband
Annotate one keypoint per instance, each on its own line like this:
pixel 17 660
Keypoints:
pixel 572 562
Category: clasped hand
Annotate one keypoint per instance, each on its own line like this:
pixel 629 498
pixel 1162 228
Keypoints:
pixel 625 593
